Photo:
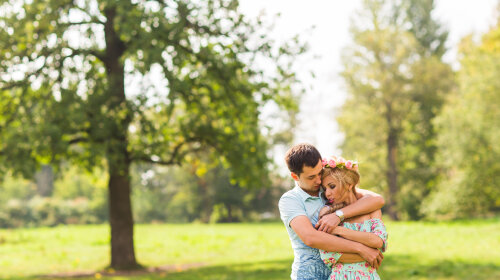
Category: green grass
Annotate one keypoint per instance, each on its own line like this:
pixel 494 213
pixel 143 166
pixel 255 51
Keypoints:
pixel 417 250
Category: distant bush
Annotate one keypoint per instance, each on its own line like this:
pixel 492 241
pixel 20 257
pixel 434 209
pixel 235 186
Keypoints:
pixel 47 211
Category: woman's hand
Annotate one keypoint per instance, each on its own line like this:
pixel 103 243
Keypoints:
pixel 338 231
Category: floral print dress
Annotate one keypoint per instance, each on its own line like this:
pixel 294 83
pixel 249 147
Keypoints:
pixel 360 270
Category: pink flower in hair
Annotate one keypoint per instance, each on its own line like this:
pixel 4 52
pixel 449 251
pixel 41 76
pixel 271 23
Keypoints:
pixel 340 160
pixel 332 163
pixel 324 162
pixel 348 164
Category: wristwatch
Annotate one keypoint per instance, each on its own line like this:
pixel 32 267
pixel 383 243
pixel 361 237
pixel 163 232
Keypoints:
pixel 340 214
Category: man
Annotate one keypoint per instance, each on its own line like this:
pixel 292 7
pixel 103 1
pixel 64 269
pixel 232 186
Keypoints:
pixel 299 210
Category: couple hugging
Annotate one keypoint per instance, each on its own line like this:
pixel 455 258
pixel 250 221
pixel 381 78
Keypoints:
pixel 335 227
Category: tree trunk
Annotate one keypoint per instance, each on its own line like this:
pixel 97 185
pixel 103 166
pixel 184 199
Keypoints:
pixel 45 181
pixel 120 219
pixel 120 207
pixel 229 213
pixel 206 205
pixel 392 173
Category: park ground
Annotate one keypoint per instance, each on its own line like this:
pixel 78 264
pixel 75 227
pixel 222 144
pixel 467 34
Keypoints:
pixel 467 249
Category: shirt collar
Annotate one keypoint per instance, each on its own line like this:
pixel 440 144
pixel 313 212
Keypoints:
pixel 303 195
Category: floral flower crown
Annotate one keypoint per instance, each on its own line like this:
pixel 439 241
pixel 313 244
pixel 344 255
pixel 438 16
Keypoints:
pixel 340 162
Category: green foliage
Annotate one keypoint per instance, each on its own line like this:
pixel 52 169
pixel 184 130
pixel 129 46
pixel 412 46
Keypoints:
pixel 469 130
pixel 74 182
pixel 188 193
pixel 428 31
pixel 12 187
pixel 79 197
pixel 45 211
pixel 197 193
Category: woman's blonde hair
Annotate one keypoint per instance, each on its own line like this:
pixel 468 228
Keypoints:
pixel 345 177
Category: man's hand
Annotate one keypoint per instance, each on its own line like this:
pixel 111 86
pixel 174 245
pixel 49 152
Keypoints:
pixel 373 256
pixel 328 223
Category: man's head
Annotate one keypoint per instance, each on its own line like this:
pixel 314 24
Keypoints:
pixel 304 162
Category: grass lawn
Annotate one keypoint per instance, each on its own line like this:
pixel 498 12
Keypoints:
pixel 417 250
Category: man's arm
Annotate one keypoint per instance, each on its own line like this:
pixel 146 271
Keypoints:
pixel 368 202
pixel 322 240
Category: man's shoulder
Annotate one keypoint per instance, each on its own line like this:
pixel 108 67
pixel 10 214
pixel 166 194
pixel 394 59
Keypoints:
pixel 290 194
pixel 290 200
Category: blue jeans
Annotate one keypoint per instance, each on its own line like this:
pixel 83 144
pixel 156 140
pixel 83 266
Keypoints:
pixel 309 266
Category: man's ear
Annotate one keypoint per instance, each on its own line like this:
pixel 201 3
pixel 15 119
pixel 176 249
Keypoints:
pixel 294 176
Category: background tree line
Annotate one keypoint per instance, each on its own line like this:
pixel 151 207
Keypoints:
pixel 160 194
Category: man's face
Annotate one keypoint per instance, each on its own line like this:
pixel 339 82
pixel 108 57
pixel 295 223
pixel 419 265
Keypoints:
pixel 310 179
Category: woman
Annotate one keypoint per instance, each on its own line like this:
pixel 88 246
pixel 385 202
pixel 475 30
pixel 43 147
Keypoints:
pixel 339 181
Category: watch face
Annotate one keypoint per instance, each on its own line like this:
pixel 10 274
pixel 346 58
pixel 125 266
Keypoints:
pixel 340 214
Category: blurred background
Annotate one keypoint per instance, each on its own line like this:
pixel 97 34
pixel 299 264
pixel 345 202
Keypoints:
pixel 178 113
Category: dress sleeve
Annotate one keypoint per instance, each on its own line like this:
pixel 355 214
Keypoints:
pixel 379 229
pixel 329 258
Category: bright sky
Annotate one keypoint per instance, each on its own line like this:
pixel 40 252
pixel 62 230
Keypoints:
pixel 331 19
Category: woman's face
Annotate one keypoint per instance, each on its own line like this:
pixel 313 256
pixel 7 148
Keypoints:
pixel 332 189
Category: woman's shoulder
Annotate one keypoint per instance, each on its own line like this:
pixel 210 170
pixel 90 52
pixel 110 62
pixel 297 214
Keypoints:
pixel 358 219
pixel 377 214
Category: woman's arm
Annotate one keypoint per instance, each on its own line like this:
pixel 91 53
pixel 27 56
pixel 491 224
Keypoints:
pixel 366 238
pixel 369 239
pixel 350 258
pixel 368 202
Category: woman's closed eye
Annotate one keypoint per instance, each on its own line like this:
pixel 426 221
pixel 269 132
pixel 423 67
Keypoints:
pixel 331 186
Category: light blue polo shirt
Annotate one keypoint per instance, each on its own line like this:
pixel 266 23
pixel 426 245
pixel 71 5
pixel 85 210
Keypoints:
pixel 307 261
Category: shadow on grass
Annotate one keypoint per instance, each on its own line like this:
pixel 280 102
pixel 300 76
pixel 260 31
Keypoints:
pixel 275 269
pixel 410 267
pixel 394 267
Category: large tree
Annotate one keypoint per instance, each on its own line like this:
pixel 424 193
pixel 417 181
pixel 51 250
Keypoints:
pixel 396 83
pixel 118 82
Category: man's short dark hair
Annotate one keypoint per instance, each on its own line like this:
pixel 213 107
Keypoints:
pixel 301 155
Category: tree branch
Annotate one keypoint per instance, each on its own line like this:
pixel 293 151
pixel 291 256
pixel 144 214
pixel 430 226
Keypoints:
pixel 92 52
pixel 78 140
pixel 67 24
pixel 171 161
pixel 93 19
pixel 174 156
